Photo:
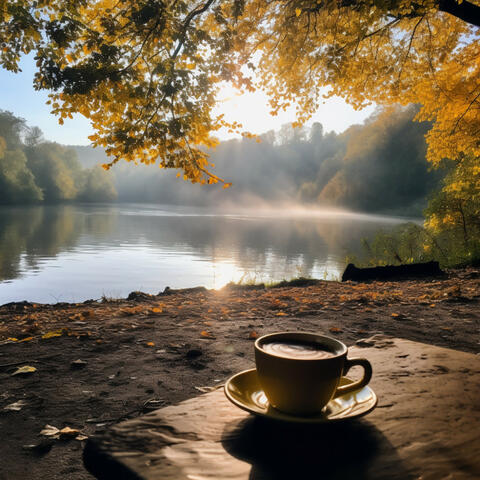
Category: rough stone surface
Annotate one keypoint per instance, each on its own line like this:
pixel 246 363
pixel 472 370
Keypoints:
pixel 425 426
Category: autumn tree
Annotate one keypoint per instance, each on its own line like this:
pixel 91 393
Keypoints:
pixel 17 184
pixel 33 170
pixel 146 72
pixel 455 210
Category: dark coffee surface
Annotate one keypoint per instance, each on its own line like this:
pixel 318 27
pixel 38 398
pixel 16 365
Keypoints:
pixel 300 350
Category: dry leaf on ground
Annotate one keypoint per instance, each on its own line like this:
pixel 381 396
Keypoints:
pixel 49 431
pixel 206 334
pixel 25 370
pixel 54 333
pixel 335 330
pixel 17 406
pixel 67 432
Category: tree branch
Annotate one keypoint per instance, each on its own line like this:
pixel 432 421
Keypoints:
pixel 186 24
pixel 466 11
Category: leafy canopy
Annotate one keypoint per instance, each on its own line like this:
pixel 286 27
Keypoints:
pixel 146 72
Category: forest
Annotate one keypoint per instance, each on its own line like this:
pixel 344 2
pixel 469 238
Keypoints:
pixel 33 170
pixel 379 166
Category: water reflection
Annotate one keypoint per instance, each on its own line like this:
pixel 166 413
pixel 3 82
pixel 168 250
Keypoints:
pixel 72 252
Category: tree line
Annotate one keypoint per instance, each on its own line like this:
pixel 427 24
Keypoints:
pixel 33 170
pixel 375 167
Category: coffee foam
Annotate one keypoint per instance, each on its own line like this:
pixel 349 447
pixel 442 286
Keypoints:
pixel 297 350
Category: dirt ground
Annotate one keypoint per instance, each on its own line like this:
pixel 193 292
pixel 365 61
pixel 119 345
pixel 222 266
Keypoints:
pixel 97 363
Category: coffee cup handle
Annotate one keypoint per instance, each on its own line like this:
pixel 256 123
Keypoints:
pixel 367 375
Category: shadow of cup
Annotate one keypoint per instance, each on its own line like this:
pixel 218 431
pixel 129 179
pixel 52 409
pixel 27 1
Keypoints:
pixel 279 450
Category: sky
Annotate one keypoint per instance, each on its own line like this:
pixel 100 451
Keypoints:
pixel 251 110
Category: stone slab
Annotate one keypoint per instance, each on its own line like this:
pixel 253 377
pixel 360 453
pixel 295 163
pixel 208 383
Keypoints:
pixel 426 426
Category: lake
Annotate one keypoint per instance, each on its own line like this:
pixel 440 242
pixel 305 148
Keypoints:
pixel 71 253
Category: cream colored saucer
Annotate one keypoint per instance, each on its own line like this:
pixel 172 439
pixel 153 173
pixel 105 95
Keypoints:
pixel 244 390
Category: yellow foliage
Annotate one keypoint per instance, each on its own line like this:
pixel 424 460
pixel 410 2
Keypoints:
pixel 146 74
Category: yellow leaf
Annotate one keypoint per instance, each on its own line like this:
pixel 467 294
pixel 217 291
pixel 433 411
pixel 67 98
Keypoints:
pixel 151 344
pixel 25 370
pixel 52 334
pixel 298 12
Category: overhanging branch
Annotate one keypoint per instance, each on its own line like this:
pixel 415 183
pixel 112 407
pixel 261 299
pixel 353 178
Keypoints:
pixel 466 11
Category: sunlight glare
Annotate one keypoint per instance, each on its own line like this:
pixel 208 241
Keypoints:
pixel 252 111
pixel 225 272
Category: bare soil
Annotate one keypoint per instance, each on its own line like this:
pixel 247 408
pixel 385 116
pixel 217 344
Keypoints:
pixel 98 363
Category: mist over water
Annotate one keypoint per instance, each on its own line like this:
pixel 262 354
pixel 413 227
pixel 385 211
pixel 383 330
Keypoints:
pixel 71 253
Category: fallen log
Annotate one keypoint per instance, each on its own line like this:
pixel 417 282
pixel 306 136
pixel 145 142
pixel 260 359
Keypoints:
pixel 390 272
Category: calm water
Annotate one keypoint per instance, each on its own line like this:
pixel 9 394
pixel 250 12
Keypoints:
pixel 69 253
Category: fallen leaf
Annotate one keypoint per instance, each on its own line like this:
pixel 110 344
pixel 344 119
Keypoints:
pixel 335 330
pixel 17 406
pixel 52 334
pixel 67 432
pixel 281 314
pixel 50 431
pixel 395 314
pixel 157 310
pixel 27 339
pixel 206 334
pixel 150 344
pixel 253 335
pixel 25 370
pixel 81 437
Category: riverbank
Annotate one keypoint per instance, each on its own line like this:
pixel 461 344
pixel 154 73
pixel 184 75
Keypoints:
pixel 97 363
